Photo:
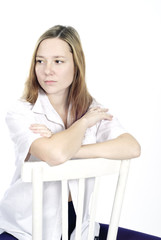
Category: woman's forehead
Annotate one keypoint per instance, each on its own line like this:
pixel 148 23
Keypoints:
pixel 53 47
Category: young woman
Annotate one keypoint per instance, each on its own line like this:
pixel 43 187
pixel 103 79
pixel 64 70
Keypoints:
pixel 57 120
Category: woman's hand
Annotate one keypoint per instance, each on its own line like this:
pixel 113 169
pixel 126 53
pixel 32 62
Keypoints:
pixel 95 115
pixel 41 129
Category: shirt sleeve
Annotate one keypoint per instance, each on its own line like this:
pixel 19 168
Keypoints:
pixel 109 130
pixel 18 120
pixel 106 129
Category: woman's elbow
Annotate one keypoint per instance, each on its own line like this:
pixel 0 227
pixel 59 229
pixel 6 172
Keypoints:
pixel 136 150
pixel 55 158
pixel 43 149
pixel 132 147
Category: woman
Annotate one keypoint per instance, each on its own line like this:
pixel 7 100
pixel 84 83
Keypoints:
pixel 57 120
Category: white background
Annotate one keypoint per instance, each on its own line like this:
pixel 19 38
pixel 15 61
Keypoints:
pixel 122 45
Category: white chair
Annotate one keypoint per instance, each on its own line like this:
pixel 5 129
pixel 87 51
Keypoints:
pixel 39 172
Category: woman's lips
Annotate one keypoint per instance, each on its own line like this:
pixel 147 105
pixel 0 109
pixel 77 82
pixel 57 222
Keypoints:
pixel 50 82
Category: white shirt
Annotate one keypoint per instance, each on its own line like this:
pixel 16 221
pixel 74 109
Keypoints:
pixel 16 205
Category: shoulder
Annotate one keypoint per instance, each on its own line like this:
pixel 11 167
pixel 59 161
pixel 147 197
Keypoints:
pixel 20 106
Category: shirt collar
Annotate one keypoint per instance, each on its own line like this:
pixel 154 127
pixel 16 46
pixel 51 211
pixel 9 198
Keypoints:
pixel 43 106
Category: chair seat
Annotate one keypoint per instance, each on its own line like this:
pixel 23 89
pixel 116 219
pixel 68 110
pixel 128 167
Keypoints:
pixel 126 234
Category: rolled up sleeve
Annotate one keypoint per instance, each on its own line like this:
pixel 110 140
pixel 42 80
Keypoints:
pixel 109 130
pixel 18 121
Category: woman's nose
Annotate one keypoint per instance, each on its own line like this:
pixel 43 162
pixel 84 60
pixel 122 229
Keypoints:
pixel 49 69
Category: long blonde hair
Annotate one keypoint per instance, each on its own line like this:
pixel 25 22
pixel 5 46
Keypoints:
pixel 78 96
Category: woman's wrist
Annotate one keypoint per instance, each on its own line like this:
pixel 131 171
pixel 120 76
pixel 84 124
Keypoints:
pixel 86 151
pixel 83 123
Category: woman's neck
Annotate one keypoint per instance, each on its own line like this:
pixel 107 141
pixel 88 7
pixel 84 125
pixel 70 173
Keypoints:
pixel 60 105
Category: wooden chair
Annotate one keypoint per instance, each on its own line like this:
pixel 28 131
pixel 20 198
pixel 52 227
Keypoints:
pixel 39 172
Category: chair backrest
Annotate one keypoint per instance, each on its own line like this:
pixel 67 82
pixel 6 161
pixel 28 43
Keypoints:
pixel 39 172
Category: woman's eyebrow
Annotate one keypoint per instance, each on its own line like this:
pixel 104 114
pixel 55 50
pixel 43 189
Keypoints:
pixel 57 56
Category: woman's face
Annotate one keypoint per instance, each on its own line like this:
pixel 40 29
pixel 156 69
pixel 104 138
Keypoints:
pixel 54 66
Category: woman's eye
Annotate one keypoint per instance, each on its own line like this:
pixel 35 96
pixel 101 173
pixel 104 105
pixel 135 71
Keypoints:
pixel 59 61
pixel 39 61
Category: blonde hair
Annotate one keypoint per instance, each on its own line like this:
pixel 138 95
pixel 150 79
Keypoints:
pixel 78 96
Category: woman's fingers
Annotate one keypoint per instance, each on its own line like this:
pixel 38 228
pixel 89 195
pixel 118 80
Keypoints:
pixel 37 126
pixel 95 115
pixel 99 109
pixel 41 129
pixel 103 111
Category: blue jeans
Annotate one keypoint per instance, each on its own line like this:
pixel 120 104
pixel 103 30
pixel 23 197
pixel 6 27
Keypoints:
pixel 7 236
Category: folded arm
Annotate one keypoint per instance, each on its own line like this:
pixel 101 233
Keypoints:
pixel 123 147
pixel 62 146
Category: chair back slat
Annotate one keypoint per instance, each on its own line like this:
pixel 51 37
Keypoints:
pixel 37 203
pixel 93 209
pixel 118 200
pixel 79 210
pixel 64 209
